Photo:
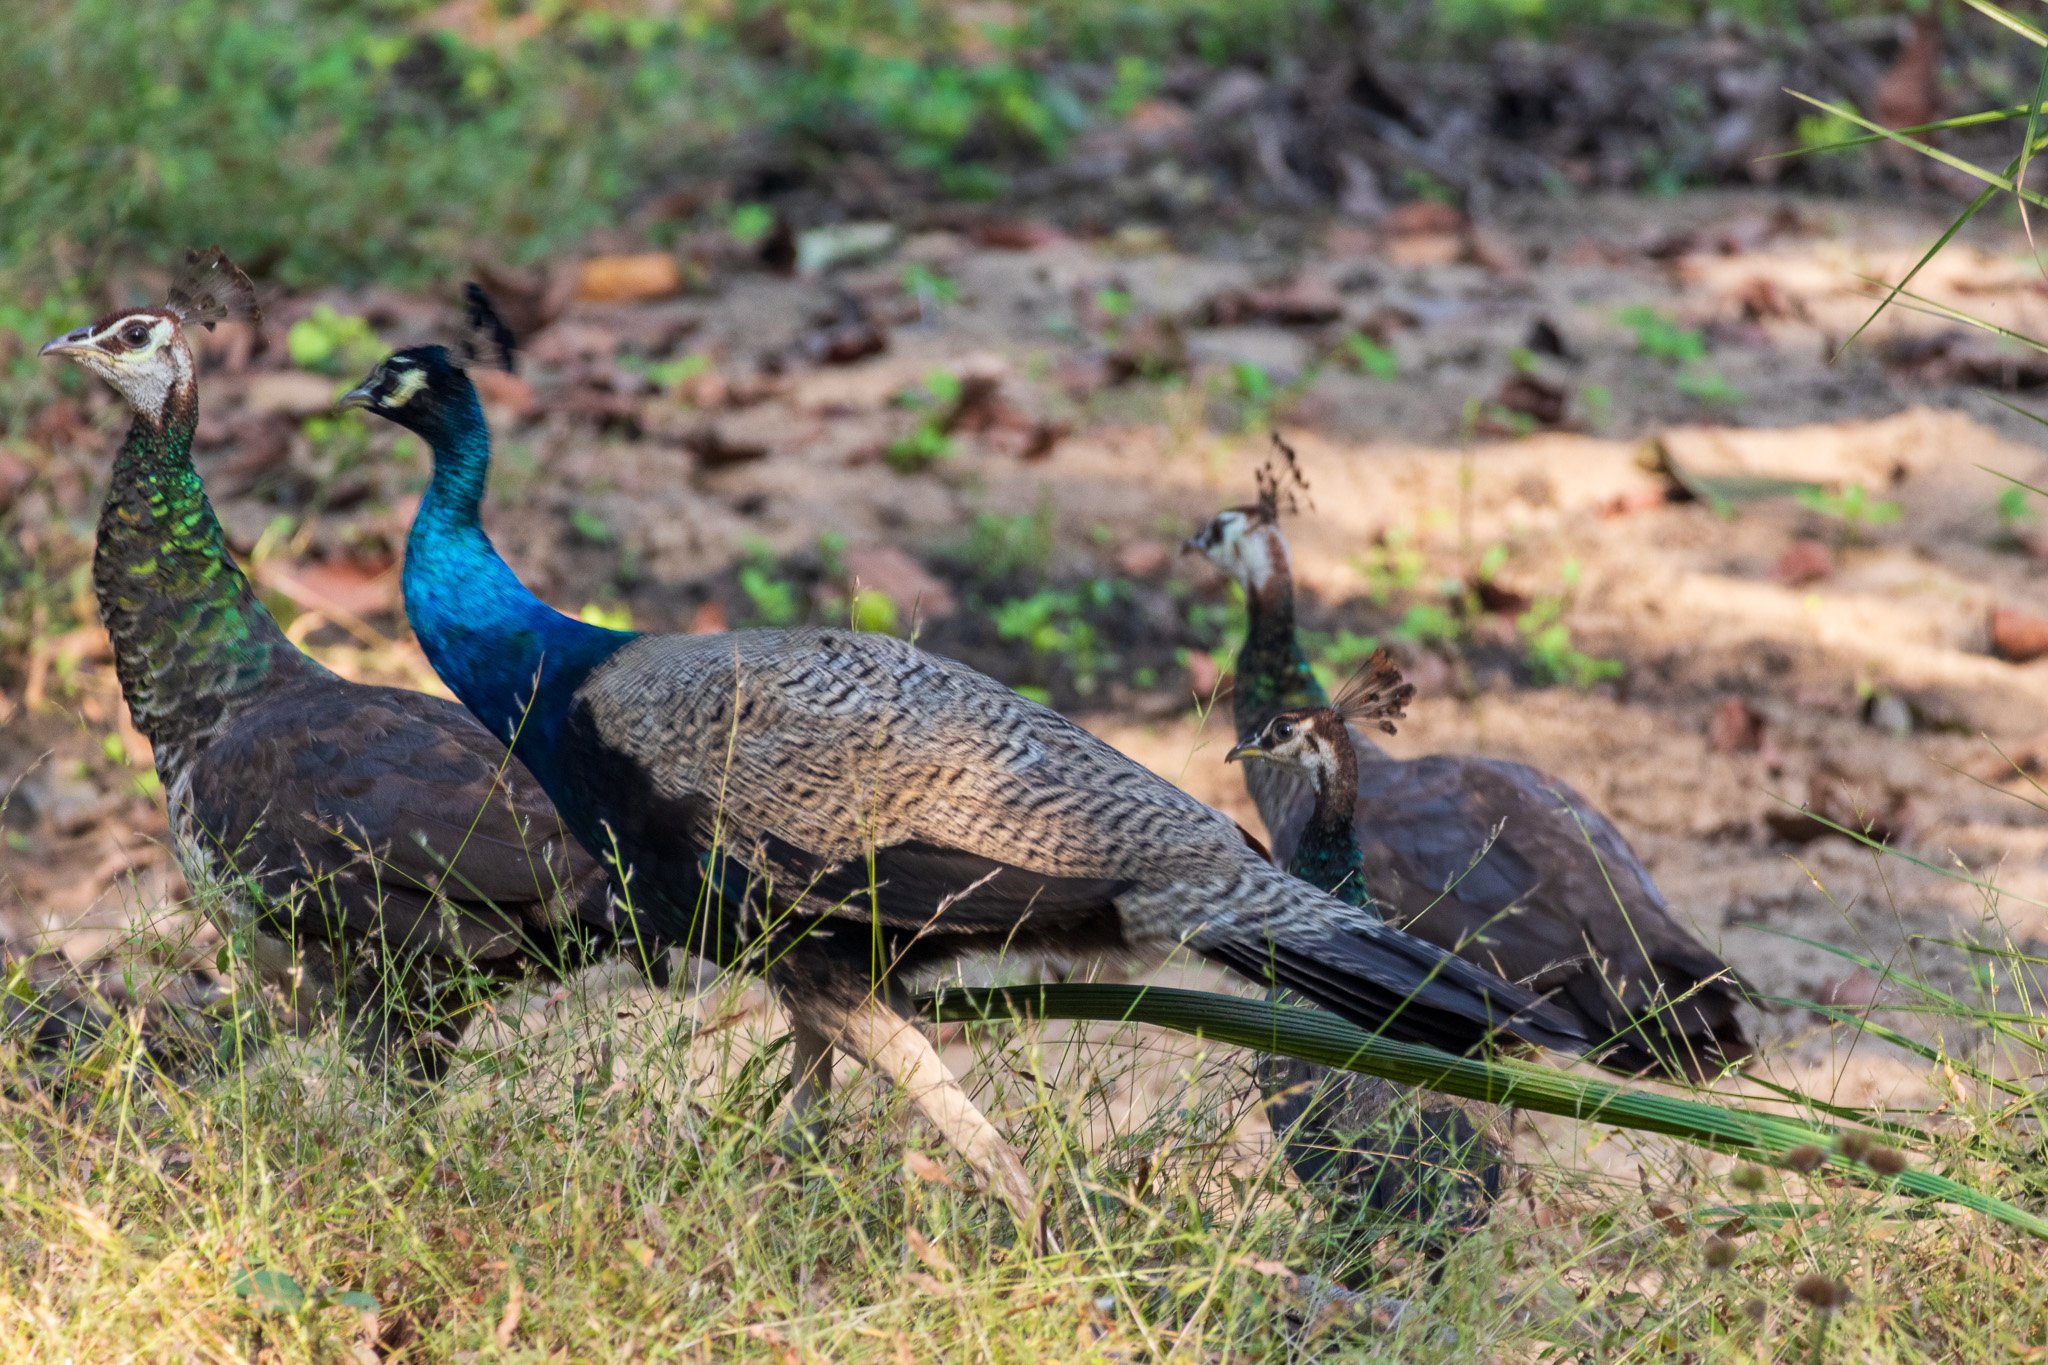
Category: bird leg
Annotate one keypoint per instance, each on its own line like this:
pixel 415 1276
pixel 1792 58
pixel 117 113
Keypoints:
pixel 810 1072
pixel 886 1042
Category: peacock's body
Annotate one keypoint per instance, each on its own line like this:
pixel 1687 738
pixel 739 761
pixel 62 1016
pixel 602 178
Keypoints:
pixel 1503 864
pixel 842 810
pixel 376 847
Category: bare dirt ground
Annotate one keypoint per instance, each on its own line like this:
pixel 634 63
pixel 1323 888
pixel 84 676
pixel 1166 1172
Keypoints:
pixel 763 447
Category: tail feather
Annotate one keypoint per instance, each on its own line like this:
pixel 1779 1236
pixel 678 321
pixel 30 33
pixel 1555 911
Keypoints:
pixel 1393 983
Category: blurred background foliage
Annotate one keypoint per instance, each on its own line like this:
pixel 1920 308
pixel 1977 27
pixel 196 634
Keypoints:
pixel 322 140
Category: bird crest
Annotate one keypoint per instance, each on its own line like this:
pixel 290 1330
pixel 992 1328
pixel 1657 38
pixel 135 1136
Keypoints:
pixel 1376 695
pixel 1282 486
pixel 211 288
pixel 485 341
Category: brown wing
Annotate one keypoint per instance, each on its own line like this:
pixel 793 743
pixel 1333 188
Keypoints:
pixel 395 814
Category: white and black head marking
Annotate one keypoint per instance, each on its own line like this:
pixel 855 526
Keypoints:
pixel 1308 738
pixel 395 383
pixel 142 351
pixel 1245 542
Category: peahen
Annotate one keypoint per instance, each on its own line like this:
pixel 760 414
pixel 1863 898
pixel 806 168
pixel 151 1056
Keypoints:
pixel 1352 1138
pixel 1501 863
pixel 841 811
pixel 378 846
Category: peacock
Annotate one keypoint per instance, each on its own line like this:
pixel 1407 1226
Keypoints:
pixel 378 848
pixel 1501 863
pixel 842 812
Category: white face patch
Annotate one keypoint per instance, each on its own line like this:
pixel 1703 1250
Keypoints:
pixel 405 386
pixel 1248 551
pixel 143 356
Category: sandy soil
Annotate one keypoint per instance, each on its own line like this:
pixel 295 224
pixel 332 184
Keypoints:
pixel 1871 688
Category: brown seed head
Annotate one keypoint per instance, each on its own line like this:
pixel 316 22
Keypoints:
pixel 1750 1178
pixel 1853 1145
pixel 1885 1160
pixel 1718 1253
pixel 1806 1158
pixel 1816 1290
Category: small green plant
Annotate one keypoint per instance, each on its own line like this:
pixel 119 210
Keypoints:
pixel 1855 508
pixel 750 224
pixel 2014 511
pixel 330 342
pixel 589 525
pixel 1429 623
pixel 616 616
pixel 1395 564
pixel 1547 648
pixel 774 598
pixel 1114 304
pixel 926 443
pixel 1052 622
pixel 1370 357
pixel 1661 338
pixel 1707 386
pixel 873 610
pixel 932 290
pixel 998 547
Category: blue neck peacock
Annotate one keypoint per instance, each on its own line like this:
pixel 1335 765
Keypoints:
pixel 375 845
pixel 843 811
pixel 1505 865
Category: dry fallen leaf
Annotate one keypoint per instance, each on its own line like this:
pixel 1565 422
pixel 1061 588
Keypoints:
pixel 626 279
pixel 2018 636
pixel 924 1168
pixel 515 1306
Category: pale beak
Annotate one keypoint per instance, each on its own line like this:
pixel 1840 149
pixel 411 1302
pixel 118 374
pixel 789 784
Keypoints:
pixel 71 343
pixel 363 395
pixel 1193 545
pixel 1249 749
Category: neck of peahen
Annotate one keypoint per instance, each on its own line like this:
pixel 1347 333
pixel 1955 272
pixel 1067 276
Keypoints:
pixel 1328 854
pixel 191 639
pixel 513 660
pixel 1273 675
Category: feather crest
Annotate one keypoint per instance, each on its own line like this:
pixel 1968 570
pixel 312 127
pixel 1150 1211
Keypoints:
pixel 212 288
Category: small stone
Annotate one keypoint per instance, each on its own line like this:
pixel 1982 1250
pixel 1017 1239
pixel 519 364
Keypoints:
pixel 1803 562
pixel 2018 636
pixel 624 279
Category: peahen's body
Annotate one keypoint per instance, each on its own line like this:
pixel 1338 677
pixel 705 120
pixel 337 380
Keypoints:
pixel 377 847
pixel 842 810
pixel 1501 863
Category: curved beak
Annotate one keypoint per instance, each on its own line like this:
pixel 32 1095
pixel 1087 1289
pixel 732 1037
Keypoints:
pixel 71 343
pixel 1193 545
pixel 1248 749
pixel 363 395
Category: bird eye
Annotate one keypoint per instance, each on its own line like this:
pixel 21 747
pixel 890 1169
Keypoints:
pixel 1283 729
pixel 135 334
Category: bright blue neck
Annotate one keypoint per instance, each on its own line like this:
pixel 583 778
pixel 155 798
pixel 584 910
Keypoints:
pixel 513 660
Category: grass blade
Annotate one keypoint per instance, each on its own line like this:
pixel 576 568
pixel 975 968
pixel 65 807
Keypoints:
pixel 1314 1036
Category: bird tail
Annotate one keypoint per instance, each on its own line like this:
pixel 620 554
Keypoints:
pixel 1381 979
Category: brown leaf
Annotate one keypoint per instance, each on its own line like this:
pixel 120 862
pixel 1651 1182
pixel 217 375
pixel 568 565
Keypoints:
pixel 1202 676
pixel 927 1251
pixel 2018 636
pixel 1421 217
pixel 716 448
pixel 1534 397
pixel 708 619
pixel 1014 234
pixel 1735 727
pixel 1299 303
pixel 1142 559
pixel 515 1307
pixel 624 279
pixel 499 389
pixel 290 393
pixel 925 1169
pixel 333 587
pixel 1803 562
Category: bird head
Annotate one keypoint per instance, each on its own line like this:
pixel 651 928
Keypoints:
pixel 421 388
pixel 1308 738
pixel 140 351
pixel 1245 543
pixel 1293 739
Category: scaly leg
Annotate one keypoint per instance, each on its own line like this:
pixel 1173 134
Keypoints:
pixel 885 1041
pixel 810 1068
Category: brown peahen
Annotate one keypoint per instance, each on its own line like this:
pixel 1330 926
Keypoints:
pixel 1505 865
pixel 843 811
pixel 379 849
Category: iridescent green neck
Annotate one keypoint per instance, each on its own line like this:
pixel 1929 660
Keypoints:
pixel 191 639
pixel 1329 856
pixel 1273 675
